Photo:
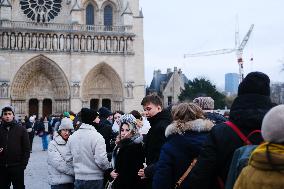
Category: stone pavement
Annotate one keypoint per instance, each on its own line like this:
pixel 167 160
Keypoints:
pixel 36 175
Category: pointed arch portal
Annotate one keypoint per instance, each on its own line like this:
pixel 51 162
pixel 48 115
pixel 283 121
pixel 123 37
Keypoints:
pixel 40 87
pixel 102 87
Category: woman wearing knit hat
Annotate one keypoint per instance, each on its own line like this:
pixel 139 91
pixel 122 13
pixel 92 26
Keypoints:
pixel 266 164
pixel 128 156
pixel 61 173
pixel 185 137
pixel 207 105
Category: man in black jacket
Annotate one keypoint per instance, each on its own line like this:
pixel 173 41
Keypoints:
pixel 14 151
pixel 105 129
pixel 159 120
pixel 247 111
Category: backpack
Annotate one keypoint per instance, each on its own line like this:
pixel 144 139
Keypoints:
pixel 241 155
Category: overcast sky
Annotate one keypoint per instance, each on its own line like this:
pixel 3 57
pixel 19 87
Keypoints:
pixel 174 28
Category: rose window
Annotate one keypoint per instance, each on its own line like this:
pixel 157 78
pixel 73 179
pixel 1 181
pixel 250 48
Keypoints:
pixel 41 10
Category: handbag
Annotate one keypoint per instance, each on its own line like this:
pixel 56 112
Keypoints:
pixel 181 179
pixel 109 185
pixel 40 134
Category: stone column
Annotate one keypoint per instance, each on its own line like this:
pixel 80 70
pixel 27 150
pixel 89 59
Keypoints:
pixel 100 102
pixel 27 107
pixel 40 108
pixel 53 106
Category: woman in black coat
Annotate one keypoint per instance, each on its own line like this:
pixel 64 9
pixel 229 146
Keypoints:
pixel 128 156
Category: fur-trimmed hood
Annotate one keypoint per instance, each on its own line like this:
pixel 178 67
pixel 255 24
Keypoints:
pixel 198 125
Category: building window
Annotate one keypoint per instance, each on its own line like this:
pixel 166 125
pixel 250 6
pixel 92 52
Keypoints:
pixel 90 16
pixel 108 15
pixel 41 10
pixel 170 100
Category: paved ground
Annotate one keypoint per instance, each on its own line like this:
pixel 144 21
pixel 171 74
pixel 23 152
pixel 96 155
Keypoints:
pixel 36 175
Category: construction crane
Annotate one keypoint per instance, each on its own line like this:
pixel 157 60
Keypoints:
pixel 238 50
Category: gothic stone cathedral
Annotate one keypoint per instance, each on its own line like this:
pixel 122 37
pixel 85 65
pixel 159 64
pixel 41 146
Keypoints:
pixel 61 55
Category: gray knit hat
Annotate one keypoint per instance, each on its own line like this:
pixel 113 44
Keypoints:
pixel 272 128
pixel 205 103
pixel 66 123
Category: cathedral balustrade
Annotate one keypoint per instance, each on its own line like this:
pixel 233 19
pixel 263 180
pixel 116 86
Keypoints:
pixel 64 27
pixel 52 37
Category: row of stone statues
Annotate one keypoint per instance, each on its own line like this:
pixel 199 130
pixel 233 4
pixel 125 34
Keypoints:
pixel 20 106
pixel 59 106
pixel 66 42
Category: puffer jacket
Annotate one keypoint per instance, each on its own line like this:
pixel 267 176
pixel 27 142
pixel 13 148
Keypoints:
pixel 262 173
pixel 87 149
pixel 183 145
pixel 59 170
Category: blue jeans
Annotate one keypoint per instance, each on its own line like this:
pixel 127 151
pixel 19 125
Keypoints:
pixel 63 186
pixel 44 140
pixel 89 184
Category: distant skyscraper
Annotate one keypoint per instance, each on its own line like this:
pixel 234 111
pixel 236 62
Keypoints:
pixel 231 83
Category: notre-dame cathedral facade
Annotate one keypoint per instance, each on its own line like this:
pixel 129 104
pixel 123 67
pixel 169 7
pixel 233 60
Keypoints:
pixel 61 55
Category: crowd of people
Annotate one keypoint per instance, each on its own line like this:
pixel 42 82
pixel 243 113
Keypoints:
pixel 186 145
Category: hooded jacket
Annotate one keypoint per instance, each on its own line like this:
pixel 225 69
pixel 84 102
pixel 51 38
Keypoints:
pixel 182 146
pixel 260 167
pixel 246 113
pixel 14 145
pixel 59 170
pixel 155 139
pixel 87 148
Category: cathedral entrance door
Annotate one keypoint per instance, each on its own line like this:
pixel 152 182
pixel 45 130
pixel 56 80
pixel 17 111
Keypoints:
pixel 33 107
pixel 94 104
pixel 106 103
pixel 46 107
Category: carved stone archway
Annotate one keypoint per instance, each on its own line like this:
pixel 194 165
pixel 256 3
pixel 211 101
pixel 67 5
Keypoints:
pixel 40 78
pixel 102 83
